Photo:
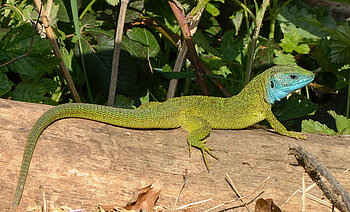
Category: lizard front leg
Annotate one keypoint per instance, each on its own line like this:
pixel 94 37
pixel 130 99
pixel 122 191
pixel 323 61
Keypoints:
pixel 198 129
pixel 278 126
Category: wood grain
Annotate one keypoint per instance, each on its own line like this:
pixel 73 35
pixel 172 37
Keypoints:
pixel 82 163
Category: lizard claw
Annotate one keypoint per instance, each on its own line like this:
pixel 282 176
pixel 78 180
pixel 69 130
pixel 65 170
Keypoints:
pixel 206 149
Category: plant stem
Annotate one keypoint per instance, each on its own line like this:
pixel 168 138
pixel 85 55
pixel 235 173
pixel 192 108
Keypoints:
pixel 88 7
pixel 185 28
pixel 245 8
pixel 77 31
pixel 57 52
pixel 348 100
pixel 116 52
pixel 259 19
pixel 273 14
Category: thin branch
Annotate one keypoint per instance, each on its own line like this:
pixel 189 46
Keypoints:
pixel 30 44
pixel 246 9
pixel 48 7
pixel 230 182
pixel 331 188
pixel 181 56
pixel 178 12
pixel 182 53
pixel 259 20
pixel 116 52
pixel 182 188
pixel 15 8
pixel 57 52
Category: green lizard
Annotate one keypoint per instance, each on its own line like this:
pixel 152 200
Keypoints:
pixel 196 114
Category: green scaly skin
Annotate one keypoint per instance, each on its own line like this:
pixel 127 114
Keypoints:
pixel 196 114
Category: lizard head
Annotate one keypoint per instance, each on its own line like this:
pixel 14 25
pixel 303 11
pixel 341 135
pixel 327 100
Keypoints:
pixel 282 80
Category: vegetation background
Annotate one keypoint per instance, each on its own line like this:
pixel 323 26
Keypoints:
pixel 228 43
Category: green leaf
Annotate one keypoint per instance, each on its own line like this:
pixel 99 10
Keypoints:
pixel 290 43
pixel 210 8
pixel 345 67
pixel 302 49
pixel 229 47
pixel 3 32
pixel 223 71
pixel 5 84
pixel 112 2
pixel 237 20
pixel 121 101
pixel 342 123
pixel 135 48
pixel 16 43
pixel 62 13
pixel 53 14
pixel 29 92
pixel 134 10
pixel 49 84
pixel 282 58
pixel 296 106
pixel 202 40
pixel 166 68
pixel 306 23
pixel 67 57
pixel 145 37
pixel 340 47
pixel 213 62
pixel 88 20
pixel 314 127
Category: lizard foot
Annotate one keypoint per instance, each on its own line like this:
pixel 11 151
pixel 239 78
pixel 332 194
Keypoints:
pixel 296 135
pixel 204 149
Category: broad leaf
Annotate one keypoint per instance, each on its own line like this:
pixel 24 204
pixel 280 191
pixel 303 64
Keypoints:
pixel 314 127
pixel 16 43
pixel 112 2
pixel 342 123
pixel 49 84
pixel 210 8
pixel 305 23
pixel 145 37
pixel 295 106
pixel 202 40
pixel 134 10
pixel 230 47
pixel 237 20
pixel 5 84
pixel 29 92
pixel 340 47
pixel 282 58
pixel 121 101
pixel 290 43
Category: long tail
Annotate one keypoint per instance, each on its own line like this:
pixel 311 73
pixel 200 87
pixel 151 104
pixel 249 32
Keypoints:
pixel 115 116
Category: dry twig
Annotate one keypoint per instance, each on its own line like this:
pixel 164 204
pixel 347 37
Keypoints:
pixel 116 52
pixel 331 188
pixel 56 50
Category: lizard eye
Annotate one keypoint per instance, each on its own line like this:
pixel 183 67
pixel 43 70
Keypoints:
pixel 271 84
pixel 293 76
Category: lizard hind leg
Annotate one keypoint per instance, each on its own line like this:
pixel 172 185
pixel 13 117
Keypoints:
pixel 198 129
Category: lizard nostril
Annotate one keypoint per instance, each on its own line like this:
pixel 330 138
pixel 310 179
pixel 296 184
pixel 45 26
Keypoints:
pixel 272 85
pixel 293 76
